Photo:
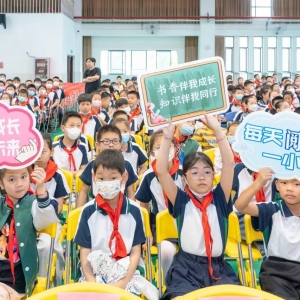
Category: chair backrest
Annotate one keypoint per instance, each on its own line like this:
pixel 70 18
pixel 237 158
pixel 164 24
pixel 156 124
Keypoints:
pixel 72 221
pixel 69 178
pixel 56 138
pixel 165 227
pixel 228 290
pixel 51 230
pixel 139 141
pixel 78 182
pixel 91 141
pixel 251 234
pixel 217 179
pixel 230 116
pixel 234 231
pixel 211 154
pixel 146 220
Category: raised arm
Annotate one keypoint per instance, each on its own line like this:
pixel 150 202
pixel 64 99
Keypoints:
pixel 165 179
pixel 243 204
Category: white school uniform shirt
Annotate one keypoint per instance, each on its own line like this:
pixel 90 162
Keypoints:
pixel 138 120
pixel 296 102
pixel 61 157
pixel 92 126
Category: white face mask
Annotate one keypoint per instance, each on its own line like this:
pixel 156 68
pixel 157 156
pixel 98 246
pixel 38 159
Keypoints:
pixel 108 189
pixel 127 110
pixel 252 89
pixel 198 195
pixel 42 92
pixel 253 107
pixel 55 83
pixel 7 102
pixel 10 92
pixel 171 154
pixel 73 133
pixel 16 85
pixel 49 86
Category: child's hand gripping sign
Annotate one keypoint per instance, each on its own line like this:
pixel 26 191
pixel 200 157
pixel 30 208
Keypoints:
pixel 20 142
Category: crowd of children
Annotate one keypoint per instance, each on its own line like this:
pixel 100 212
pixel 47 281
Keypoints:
pixel 119 177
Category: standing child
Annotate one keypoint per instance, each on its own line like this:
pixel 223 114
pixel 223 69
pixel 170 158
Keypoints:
pixel 69 152
pixel 106 110
pixel 90 123
pixel 201 213
pixel 131 151
pixel 21 216
pixel 280 225
pixel 150 191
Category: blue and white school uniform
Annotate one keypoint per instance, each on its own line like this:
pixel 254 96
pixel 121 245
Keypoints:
pixel 104 115
pixel 34 101
pixel 190 268
pixel 86 176
pixel 61 157
pixel 95 227
pixel 233 108
pixel 135 155
pixel 92 126
pixel 150 191
pixel 280 273
pixel 239 117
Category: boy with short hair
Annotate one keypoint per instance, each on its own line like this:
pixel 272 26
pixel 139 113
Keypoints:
pixel 33 99
pixel 23 100
pixel 16 82
pixel 28 81
pixel 108 137
pixel 105 109
pixel 37 82
pixel 249 88
pixel 133 100
pixel 122 104
pixel 2 77
pixel 61 96
pixel 52 95
pixel 11 89
pixel 90 122
pixel 69 152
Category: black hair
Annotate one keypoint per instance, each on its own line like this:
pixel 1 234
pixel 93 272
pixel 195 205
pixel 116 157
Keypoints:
pixel 61 81
pixel 49 79
pixel 240 78
pixel 269 77
pixel 23 91
pixel 110 159
pixel 119 77
pixel 16 79
pixel 69 114
pixel 264 76
pixel 240 86
pixel 265 89
pixel 108 128
pixel 134 93
pixel 274 74
pixel 3 82
pixel 237 89
pixel 92 59
pixel 256 75
pixel 231 125
pixel 37 79
pixel 154 137
pixel 47 139
pixel 297 110
pixel 279 103
pixel 104 81
pixel 124 91
pixel 117 113
pixel 121 102
pixel 117 121
pixel 22 85
pixel 28 80
pixel 284 78
pixel 231 88
pixel 105 95
pixel 276 99
pixel 9 80
pixel 101 89
pixel 111 89
pixel 288 93
pixel 9 95
pixel 55 77
pixel 113 83
pixel 247 82
pixel 246 99
pixel 3 170
pixel 192 158
pixel 2 74
pixel 42 86
pixel 287 85
pixel 11 85
pixel 84 98
pixel 126 80
pixel 133 78
pixel 31 86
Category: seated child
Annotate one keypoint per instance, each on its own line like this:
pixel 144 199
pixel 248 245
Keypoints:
pixel 282 105
pixel 23 100
pixel 21 216
pixel 108 137
pixel 249 104
pixel 124 94
pixel 200 212
pixel 11 89
pixel 120 216
pixel 150 191
pixel 184 143
pixel 106 110
pixel 236 104
pixel 289 96
pixel 280 225
pixel 131 151
pixel 135 113
pixel 90 123
pixel 33 99
pixel 6 98
pixel 69 152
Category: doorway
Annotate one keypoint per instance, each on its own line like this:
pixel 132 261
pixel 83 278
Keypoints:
pixel 70 69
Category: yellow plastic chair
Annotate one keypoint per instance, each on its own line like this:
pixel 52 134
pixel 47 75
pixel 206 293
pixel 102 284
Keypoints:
pixel 91 287
pixel 69 178
pixel 165 229
pixel 234 244
pixel 78 182
pixel 217 179
pixel 56 138
pixel 148 234
pixel 72 221
pixel 139 141
pixel 252 236
pixel 211 154
pixel 229 290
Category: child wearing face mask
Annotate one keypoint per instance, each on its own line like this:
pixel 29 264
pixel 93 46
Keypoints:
pixel 236 104
pixel 33 99
pixel 52 95
pixel 250 105
pixel 150 191
pixel 200 212
pixel 131 151
pixel 231 129
pixel 24 101
pixel 249 89
pixel 290 88
pixel 183 139
pixel 122 239
pixel 6 98
pixel 70 152
pixel 282 106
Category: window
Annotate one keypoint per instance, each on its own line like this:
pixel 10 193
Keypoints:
pixel 119 62
pixel 257 51
pixel 243 54
pixel 272 41
pixel 261 8
pixel 229 54
pixel 298 54
pixel 286 53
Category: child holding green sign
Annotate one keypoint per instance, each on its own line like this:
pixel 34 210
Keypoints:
pixel 201 213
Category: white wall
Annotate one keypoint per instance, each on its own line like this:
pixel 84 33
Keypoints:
pixel 41 35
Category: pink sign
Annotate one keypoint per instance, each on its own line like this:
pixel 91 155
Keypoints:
pixel 21 144
pixel 89 296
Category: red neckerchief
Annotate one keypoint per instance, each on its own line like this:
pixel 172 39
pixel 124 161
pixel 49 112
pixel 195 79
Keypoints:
pixel 236 103
pixel 260 195
pixel 114 216
pixel 181 140
pixel 270 106
pixel 95 112
pixel 237 159
pixel 12 232
pixel 42 98
pixel 50 171
pixel 71 157
pixel 202 206
pixel 231 99
pixel 257 82
pixel 85 119
pixel 174 169
pixel 24 103
pixel 134 113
